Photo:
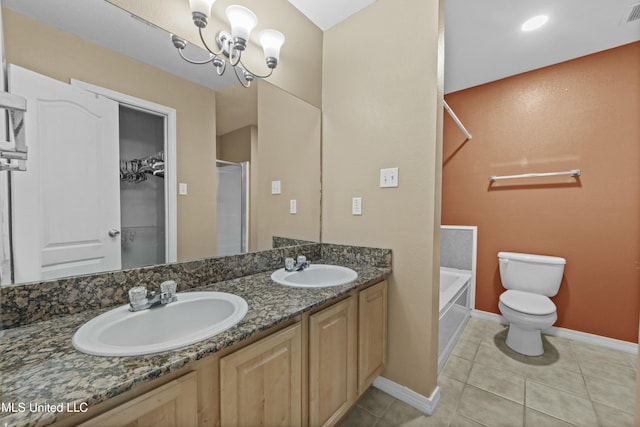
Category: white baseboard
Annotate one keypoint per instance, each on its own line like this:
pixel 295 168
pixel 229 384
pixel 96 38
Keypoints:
pixel 408 396
pixel 612 343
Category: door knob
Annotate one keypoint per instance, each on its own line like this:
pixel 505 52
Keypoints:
pixel 113 232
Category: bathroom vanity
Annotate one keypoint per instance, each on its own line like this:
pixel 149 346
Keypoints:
pixel 299 357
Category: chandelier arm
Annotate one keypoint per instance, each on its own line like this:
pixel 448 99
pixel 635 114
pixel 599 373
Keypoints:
pixel 191 61
pixel 254 74
pixel 241 80
pixel 206 46
pixel 238 55
pixel 223 67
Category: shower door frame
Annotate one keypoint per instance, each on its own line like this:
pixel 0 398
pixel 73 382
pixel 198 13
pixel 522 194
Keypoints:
pixel 170 185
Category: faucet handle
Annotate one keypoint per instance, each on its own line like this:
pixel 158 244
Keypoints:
pixel 289 263
pixel 138 295
pixel 168 286
pixel 301 259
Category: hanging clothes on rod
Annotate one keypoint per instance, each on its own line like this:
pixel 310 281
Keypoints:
pixel 137 170
pixel 456 119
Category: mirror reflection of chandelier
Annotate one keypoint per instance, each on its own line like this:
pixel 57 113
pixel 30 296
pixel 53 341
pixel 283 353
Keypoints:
pixel 233 44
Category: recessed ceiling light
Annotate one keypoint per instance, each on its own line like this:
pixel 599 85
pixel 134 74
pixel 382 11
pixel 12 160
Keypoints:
pixel 534 23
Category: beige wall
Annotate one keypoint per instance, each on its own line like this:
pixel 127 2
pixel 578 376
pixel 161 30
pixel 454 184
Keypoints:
pixel 236 107
pixel 300 69
pixel 235 146
pixel 60 55
pixel 378 115
pixel 288 150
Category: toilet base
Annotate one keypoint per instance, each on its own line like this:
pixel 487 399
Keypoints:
pixel 527 342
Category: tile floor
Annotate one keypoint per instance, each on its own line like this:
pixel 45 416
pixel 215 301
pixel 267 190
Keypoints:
pixel 484 383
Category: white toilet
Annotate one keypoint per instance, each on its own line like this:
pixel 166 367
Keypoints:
pixel 530 280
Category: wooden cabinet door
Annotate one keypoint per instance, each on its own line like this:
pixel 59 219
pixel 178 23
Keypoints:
pixel 372 334
pixel 172 404
pixel 332 362
pixel 261 384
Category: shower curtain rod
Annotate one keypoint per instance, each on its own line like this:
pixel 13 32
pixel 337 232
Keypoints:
pixel 456 119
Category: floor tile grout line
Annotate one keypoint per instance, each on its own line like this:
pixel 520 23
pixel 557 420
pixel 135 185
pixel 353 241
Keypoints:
pixel 371 413
pixel 524 403
pixel 563 391
pixel 596 351
pixel 607 378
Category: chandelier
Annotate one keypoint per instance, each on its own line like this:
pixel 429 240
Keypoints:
pixel 232 45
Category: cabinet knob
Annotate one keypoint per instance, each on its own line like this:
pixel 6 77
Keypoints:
pixel 113 232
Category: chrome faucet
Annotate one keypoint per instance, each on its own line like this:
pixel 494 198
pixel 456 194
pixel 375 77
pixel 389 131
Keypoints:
pixel 138 296
pixel 300 264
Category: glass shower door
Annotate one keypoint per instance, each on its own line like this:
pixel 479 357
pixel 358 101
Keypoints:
pixel 232 202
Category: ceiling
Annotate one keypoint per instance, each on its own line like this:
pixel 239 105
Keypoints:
pixel 483 40
pixel 326 13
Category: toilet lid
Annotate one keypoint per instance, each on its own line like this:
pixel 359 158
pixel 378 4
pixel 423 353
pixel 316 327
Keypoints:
pixel 526 302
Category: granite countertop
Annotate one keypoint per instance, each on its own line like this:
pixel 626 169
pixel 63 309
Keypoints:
pixel 39 365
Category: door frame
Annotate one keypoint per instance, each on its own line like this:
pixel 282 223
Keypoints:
pixel 170 176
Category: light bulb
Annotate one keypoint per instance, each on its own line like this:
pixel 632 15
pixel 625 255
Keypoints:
pixel 242 21
pixel 534 23
pixel 271 41
pixel 201 10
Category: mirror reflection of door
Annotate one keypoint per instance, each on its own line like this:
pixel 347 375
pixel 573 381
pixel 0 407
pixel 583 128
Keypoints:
pixel 67 202
pixel 75 211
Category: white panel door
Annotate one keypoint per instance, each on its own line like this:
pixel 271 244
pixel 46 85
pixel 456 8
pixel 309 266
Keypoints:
pixel 68 201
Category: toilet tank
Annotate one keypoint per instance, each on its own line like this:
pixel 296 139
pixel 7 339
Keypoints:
pixel 539 274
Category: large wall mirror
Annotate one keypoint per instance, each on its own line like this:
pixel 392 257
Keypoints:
pixel 173 191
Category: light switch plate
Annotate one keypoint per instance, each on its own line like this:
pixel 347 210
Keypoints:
pixel 389 177
pixel 182 189
pixel 293 208
pixel 356 206
pixel 275 187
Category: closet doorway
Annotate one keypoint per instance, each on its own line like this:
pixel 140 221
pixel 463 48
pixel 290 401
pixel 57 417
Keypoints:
pixel 142 195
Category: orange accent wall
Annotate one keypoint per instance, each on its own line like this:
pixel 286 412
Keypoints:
pixel 581 114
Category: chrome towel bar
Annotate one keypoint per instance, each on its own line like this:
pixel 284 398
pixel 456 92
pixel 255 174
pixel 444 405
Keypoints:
pixel 572 172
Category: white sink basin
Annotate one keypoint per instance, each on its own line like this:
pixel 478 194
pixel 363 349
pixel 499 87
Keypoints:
pixel 315 276
pixel 196 316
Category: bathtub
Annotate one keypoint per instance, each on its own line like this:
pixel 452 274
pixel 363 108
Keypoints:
pixel 454 309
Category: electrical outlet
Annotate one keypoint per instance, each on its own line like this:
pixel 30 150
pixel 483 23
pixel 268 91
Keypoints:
pixel 356 206
pixel 293 208
pixel 182 189
pixel 275 187
pixel 389 177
